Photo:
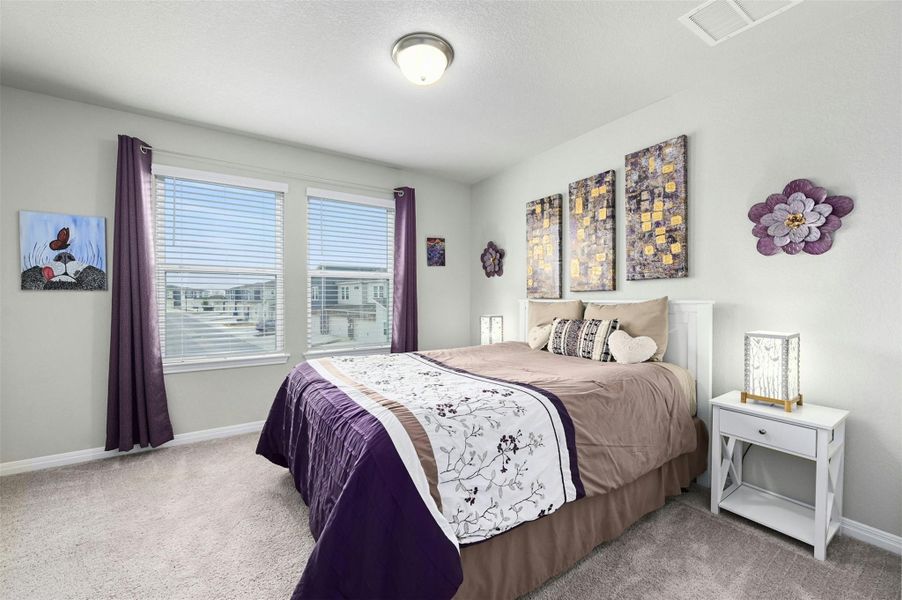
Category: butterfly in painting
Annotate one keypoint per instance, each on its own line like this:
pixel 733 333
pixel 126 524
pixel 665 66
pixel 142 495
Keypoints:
pixel 62 240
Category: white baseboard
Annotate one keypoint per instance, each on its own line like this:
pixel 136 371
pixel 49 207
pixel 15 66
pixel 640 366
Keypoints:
pixel 872 535
pixel 80 456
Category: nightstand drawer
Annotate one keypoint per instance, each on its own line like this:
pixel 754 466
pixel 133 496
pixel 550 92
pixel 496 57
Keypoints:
pixel 782 436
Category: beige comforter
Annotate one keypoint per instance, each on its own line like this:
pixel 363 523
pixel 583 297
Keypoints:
pixel 628 419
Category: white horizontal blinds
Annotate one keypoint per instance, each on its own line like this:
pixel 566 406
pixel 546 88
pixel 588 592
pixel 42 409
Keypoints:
pixel 219 276
pixel 350 261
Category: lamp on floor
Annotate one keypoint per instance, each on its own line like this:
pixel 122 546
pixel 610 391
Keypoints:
pixel 491 329
pixel 772 368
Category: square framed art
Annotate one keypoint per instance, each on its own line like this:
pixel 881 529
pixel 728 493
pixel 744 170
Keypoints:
pixel 62 252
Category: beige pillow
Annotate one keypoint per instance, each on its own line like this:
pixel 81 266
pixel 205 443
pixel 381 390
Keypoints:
pixel 538 336
pixel 542 313
pixel 637 318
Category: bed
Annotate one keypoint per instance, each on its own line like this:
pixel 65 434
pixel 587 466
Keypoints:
pixel 481 472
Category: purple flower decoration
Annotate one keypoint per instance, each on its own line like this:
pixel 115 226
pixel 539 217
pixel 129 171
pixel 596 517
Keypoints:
pixel 492 260
pixel 803 217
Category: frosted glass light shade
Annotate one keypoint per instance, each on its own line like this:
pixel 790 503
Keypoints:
pixel 422 57
pixel 491 329
pixel 772 365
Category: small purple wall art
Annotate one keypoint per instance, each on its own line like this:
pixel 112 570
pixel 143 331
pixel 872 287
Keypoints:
pixel 492 260
pixel 801 219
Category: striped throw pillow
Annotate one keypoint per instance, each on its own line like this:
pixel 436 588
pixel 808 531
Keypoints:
pixel 585 338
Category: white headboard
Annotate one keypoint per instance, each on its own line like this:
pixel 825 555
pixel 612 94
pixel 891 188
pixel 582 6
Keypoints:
pixel 690 343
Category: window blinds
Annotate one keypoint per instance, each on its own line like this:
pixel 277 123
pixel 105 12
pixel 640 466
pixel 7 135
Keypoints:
pixel 219 281
pixel 350 262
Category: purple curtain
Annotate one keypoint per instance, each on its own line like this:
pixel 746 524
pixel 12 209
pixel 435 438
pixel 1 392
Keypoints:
pixel 136 398
pixel 404 322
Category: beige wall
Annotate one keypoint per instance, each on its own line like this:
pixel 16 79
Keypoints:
pixel 60 156
pixel 829 112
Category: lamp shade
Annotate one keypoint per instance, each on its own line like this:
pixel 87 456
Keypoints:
pixel 491 329
pixel 772 367
pixel 422 57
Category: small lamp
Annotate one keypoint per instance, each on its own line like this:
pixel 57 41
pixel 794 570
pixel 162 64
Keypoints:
pixel 772 368
pixel 491 329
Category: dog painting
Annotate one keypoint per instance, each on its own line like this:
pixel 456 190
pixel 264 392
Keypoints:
pixel 62 252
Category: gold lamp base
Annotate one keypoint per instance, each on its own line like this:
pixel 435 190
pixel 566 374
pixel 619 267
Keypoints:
pixel 787 404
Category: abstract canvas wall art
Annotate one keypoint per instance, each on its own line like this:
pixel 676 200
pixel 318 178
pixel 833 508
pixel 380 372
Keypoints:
pixel 656 211
pixel 543 247
pixel 62 252
pixel 592 233
pixel 435 252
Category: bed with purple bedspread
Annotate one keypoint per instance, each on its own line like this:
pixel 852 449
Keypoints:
pixel 404 458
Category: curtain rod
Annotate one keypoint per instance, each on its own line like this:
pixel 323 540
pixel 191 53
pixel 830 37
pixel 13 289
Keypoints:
pixel 292 174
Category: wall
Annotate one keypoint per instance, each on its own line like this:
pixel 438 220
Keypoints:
pixel 829 112
pixel 60 156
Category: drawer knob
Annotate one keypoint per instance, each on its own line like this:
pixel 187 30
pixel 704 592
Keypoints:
pixel 762 431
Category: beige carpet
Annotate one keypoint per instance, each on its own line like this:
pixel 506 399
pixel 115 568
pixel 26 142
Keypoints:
pixel 212 520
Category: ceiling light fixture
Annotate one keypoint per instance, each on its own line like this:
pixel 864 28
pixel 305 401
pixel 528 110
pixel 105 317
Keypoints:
pixel 422 57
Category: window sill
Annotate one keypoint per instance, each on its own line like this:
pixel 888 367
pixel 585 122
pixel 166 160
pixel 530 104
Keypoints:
pixel 188 366
pixel 347 351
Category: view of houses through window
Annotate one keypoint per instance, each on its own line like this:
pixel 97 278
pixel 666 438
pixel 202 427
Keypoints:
pixel 350 261
pixel 203 317
pixel 218 267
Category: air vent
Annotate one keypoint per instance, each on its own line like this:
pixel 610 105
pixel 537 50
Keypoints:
pixel 718 20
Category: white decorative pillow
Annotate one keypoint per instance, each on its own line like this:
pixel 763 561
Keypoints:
pixel 628 350
pixel 538 336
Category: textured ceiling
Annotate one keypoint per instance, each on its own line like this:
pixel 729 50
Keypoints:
pixel 526 76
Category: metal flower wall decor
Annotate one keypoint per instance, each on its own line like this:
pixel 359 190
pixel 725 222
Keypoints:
pixel 492 260
pixel 801 219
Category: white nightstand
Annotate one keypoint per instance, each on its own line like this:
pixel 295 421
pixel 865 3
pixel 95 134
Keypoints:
pixel 813 432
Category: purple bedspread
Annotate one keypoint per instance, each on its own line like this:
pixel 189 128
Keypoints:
pixel 375 536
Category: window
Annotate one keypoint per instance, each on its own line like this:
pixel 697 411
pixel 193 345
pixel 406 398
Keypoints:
pixel 218 247
pixel 350 258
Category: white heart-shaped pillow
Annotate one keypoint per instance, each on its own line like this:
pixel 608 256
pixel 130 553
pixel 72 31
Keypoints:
pixel 538 336
pixel 628 350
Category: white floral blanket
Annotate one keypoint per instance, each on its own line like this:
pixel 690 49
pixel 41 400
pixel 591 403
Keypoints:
pixel 489 454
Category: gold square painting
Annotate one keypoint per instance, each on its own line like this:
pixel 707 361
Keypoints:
pixel 592 233
pixel 656 211
pixel 543 247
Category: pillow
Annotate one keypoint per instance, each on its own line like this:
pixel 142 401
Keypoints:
pixel 637 318
pixel 583 338
pixel 542 313
pixel 630 350
pixel 538 336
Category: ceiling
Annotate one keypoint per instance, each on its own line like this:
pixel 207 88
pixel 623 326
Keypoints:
pixel 526 76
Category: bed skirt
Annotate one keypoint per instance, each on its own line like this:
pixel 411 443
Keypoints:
pixel 522 559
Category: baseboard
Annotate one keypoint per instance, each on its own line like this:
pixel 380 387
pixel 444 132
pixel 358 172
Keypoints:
pixel 80 456
pixel 872 535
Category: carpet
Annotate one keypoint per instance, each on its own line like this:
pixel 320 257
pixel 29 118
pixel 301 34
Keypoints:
pixel 213 520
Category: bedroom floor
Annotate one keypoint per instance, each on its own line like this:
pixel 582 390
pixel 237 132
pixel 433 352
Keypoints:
pixel 212 520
